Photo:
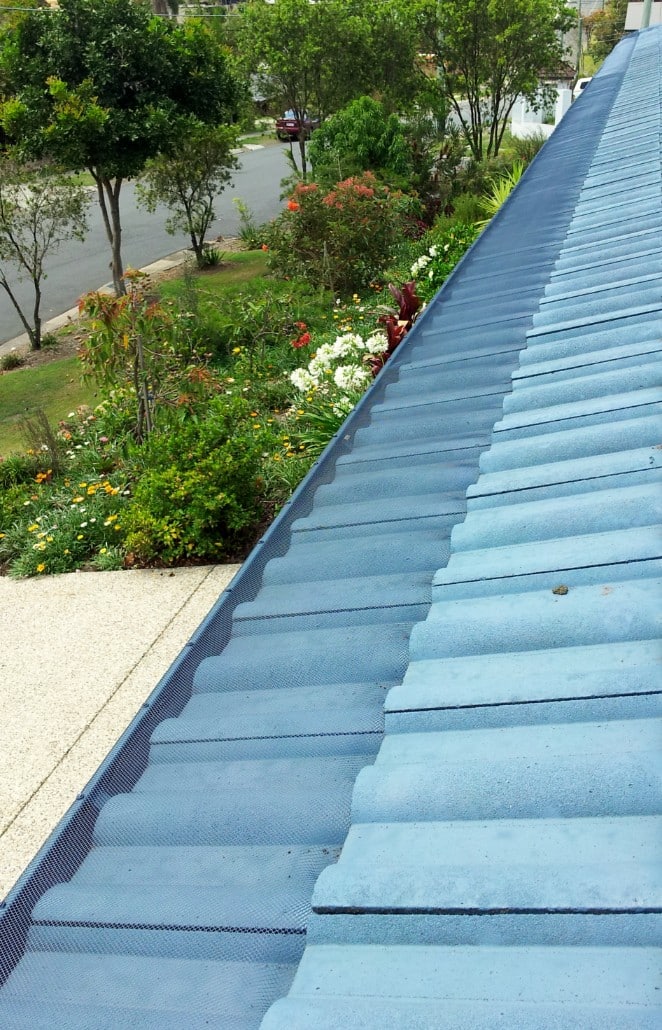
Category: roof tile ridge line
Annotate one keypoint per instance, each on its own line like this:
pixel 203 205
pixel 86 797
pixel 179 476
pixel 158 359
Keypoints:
pixel 526 347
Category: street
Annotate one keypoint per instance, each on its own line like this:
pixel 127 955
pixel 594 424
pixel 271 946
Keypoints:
pixel 76 268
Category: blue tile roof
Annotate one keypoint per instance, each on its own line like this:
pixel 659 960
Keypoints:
pixel 504 863
pixel 499 847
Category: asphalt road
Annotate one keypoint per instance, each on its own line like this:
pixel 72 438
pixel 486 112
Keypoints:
pixel 76 268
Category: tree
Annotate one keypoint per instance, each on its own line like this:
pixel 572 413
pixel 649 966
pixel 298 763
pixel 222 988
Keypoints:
pixel 12 10
pixel 39 209
pixel 604 29
pixel 105 86
pixel 188 179
pixel 494 52
pixel 315 58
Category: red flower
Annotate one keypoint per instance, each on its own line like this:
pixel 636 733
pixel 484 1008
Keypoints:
pixel 301 341
pixel 292 205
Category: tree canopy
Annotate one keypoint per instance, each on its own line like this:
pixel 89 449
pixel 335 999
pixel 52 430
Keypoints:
pixel 604 29
pixel 360 137
pixel 188 179
pixel 39 209
pixel 103 85
pixel 315 58
pixel 494 51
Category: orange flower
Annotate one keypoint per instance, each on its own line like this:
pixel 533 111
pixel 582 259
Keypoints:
pixel 292 205
pixel 264 247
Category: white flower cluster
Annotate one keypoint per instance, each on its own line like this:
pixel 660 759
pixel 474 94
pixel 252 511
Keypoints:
pixel 423 261
pixel 340 362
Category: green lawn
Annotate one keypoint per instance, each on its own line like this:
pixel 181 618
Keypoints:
pixel 236 270
pixel 55 389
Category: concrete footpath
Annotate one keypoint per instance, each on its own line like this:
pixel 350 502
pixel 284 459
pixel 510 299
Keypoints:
pixel 79 655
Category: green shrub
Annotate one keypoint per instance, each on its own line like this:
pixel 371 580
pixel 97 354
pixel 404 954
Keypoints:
pixel 250 233
pixel 360 137
pixel 526 149
pixel 198 491
pixel 465 208
pixel 11 360
pixel 210 256
pixel 18 468
pixel 499 190
pixel 447 244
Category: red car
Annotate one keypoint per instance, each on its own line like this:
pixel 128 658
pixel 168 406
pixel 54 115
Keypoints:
pixel 289 126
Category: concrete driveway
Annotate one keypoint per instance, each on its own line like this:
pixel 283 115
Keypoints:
pixel 79 655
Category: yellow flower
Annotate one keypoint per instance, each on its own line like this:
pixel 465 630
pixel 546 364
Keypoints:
pixel 33 527
pixel 256 425
pixel 41 567
pixel 236 350
pixel 79 537
pixel 77 499
pixel 82 485
pixel 103 550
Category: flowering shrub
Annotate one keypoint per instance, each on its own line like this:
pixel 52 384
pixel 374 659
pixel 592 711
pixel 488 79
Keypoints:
pixel 139 348
pixel 333 381
pixel 338 370
pixel 57 523
pixel 434 266
pixel 341 238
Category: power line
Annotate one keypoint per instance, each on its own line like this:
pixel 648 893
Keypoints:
pixel 54 10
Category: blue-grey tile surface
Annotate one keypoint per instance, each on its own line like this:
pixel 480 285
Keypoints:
pixel 474 559
pixel 503 868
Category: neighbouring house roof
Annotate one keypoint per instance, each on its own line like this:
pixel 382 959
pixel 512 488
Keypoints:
pixel 473 558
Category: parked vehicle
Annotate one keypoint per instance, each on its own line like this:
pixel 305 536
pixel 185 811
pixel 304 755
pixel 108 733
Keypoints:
pixel 289 127
pixel 580 85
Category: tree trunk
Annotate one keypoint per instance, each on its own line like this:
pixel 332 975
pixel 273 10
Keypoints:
pixel 302 151
pixel 26 325
pixel 198 249
pixel 36 317
pixel 108 191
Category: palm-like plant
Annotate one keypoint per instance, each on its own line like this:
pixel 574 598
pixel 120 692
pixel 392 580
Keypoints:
pixel 499 191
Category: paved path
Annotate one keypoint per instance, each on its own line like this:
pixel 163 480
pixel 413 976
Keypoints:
pixel 80 653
